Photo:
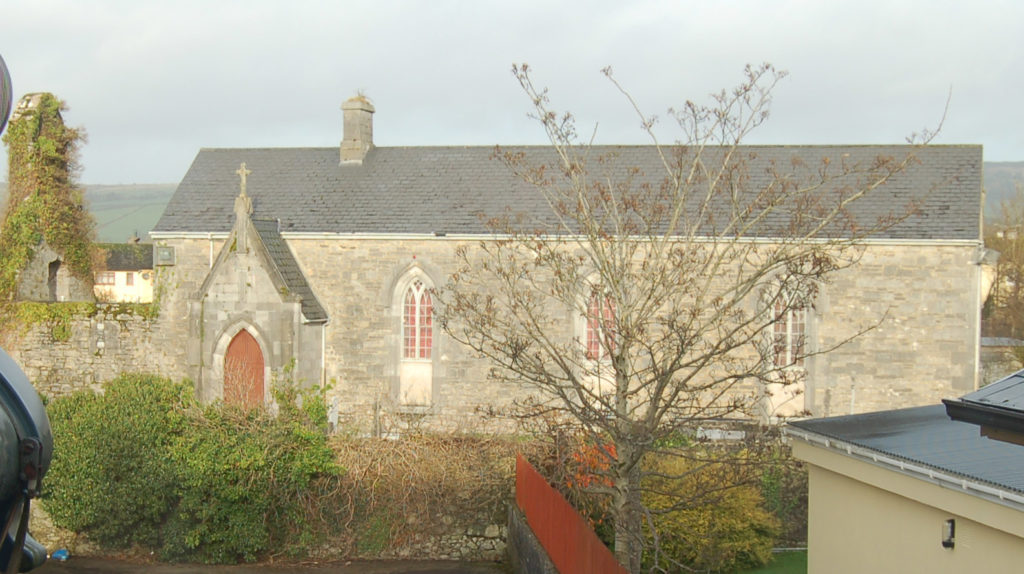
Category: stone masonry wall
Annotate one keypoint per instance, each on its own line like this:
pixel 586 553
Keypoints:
pixel 924 303
pixel 356 281
pixel 98 349
pixel 919 302
pixel 129 343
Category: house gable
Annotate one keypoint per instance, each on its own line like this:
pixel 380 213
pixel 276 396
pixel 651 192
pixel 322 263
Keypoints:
pixel 256 286
pixel 276 273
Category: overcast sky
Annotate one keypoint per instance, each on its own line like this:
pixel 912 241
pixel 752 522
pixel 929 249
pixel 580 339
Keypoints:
pixel 152 82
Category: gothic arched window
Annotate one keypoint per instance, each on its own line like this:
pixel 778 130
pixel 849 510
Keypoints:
pixel 600 321
pixel 417 322
pixel 789 333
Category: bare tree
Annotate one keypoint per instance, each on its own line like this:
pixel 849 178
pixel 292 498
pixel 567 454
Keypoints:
pixel 676 270
pixel 1004 309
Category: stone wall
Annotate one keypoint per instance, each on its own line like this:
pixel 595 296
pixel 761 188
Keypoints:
pixel 901 328
pixel 917 304
pixel 48 278
pixel 476 543
pixel 526 554
pixel 98 349
pixel 921 309
pixel 358 282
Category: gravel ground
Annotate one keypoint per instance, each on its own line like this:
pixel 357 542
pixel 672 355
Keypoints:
pixel 98 566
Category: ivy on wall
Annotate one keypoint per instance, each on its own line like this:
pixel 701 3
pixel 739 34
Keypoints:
pixel 43 201
pixel 59 317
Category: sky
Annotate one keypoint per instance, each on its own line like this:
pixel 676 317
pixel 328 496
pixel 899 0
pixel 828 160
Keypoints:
pixel 152 82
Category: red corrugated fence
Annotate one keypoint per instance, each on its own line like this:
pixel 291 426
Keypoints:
pixel 570 542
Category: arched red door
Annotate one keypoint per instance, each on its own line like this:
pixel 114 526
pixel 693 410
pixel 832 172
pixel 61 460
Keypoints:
pixel 243 371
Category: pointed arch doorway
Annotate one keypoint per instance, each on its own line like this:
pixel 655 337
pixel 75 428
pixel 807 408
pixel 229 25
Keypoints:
pixel 243 371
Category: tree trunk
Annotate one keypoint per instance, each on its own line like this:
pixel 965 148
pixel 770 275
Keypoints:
pixel 628 525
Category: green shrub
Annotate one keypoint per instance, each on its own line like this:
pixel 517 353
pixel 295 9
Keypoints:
pixel 110 475
pixel 784 488
pixel 723 525
pixel 143 464
pixel 244 473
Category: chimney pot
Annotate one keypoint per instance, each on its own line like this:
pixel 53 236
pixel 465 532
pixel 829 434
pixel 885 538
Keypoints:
pixel 358 129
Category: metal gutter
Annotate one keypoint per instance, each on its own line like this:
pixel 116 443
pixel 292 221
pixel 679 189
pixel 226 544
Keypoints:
pixel 947 480
pixel 442 236
pixel 985 414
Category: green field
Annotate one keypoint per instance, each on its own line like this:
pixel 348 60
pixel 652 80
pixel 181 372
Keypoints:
pixel 122 210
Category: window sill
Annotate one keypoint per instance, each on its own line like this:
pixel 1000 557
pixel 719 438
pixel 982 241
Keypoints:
pixel 414 409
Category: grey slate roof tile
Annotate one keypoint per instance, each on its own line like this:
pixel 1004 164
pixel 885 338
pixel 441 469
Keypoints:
pixel 128 256
pixel 286 264
pixel 425 190
pixel 1006 393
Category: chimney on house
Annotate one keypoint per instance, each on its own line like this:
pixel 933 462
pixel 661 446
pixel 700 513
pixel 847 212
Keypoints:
pixel 358 135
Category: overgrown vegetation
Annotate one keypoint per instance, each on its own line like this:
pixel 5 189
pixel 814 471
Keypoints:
pixel 424 485
pixel 58 317
pixel 143 464
pixel 730 529
pixel 43 201
pixel 144 467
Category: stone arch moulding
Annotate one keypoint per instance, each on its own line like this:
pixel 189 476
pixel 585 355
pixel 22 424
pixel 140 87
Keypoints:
pixel 215 383
pixel 404 275
pixel 414 383
pixel 799 397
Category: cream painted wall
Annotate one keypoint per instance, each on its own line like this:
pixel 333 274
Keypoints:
pixel 140 291
pixel 861 524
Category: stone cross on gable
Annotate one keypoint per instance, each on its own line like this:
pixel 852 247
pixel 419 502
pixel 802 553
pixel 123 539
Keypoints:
pixel 242 172
pixel 243 205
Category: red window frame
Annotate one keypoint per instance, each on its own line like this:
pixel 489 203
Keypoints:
pixel 105 278
pixel 789 334
pixel 600 323
pixel 417 322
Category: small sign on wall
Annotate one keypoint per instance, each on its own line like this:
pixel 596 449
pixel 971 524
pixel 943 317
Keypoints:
pixel 163 255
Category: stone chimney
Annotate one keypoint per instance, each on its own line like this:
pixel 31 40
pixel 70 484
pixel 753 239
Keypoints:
pixel 358 135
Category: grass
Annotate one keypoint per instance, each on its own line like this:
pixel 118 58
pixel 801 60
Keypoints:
pixel 117 224
pixel 784 563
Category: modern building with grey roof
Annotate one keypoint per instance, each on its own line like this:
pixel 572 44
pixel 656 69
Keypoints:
pixel 354 238
pixel 936 488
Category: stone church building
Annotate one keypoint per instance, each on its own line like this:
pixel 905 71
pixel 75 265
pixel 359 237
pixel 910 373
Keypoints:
pixel 316 265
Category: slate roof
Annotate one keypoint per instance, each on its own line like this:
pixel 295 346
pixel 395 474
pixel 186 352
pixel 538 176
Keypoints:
pixel 925 436
pixel 294 280
pixel 128 256
pixel 448 190
pixel 999 405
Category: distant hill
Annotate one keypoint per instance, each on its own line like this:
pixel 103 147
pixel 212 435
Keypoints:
pixel 1001 181
pixel 121 210
pixel 124 210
